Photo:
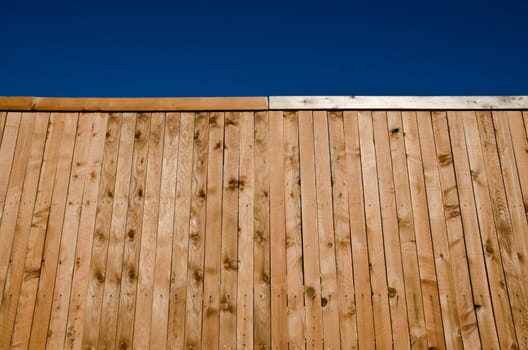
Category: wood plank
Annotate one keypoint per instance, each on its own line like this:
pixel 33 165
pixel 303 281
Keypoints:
pixel 74 146
pixel 246 210
pixel 499 296
pixel 79 282
pixel 292 205
pixel 397 102
pixel 389 218
pixel 147 255
pixel 39 220
pixel 3 117
pixel 180 239
pixel 358 233
pixel 378 281
pixel 312 273
pixel 22 228
pixel 213 234
pixel 7 153
pixel 325 228
pixel 160 302
pixel 477 267
pixel 426 257
pixel 13 194
pixel 519 224
pixel 453 280
pixel 411 272
pixel 229 263
pixel 133 104
pixel 346 294
pixel 103 220
pixel 279 286
pixel 261 274
pixel 136 202
pixel 117 237
pixel 197 233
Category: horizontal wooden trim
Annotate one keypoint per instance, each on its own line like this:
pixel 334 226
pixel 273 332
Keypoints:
pixel 398 102
pixel 133 104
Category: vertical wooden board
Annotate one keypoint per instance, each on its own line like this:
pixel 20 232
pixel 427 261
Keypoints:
pixel 519 225
pixel 261 250
pixel 14 192
pixel 180 239
pixel 499 294
pixel 346 294
pixel 468 322
pixel 136 202
pixel 312 291
pixel 426 257
pixel 147 255
pixel 71 148
pixel 292 205
pixel 39 220
pixel 7 153
pixel 246 210
pixel 519 139
pixel 112 282
pixel 325 228
pixel 103 219
pixel 229 262
pixel 279 292
pixel 389 218
pixel 409 252
pixel 73 212
pixel 160 295
pixel 380 302
pixel 15 271
pixel 477 267
pixel 451 283
pixel 3 116
pixel 358 233
pixel 193 320
pixel 213 234
pixel 79 283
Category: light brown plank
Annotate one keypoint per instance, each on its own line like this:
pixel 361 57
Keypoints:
pixel 180 239
pixel 261 275
pixel 197 233
pixel 22 228
pixel 147 257
pixel 213 234
pixel 103 221
pixel 325 228
pixel 312 284
pixel 246 210
pixel 12 197
pixel 229 263
pixel 358 233
pixel 346 294
pixel 477 267
pixel 160 294
pixel 133 104
pixel 3 117
pixel 136 202
pixel 411 272
pixel 279 286
pixel 292 205
pixel 74 146
pixel 426 258
pixel 499 296
pixel 117 236
pixel 518 218
pixel 7 153
pixel 39 220
pixel 389 218
pixel 446 266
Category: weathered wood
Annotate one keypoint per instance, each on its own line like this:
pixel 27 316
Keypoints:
pixel 133 104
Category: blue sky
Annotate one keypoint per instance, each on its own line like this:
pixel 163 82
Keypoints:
pixel 244 48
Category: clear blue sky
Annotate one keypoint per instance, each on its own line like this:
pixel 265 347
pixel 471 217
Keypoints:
pixel 243 48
